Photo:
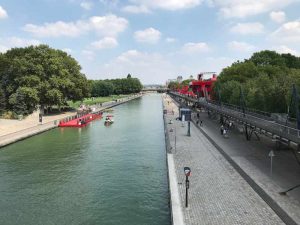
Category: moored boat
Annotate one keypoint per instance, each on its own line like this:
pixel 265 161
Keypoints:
pixel 109 120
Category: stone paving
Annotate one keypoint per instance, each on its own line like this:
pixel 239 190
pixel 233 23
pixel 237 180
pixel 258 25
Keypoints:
pixel 217 194
pixel 252 157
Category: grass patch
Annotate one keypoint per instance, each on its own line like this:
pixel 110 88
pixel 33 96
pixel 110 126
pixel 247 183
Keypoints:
pixel 95 100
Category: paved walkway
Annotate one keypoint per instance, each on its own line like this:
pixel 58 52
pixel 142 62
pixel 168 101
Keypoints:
pixel 11 126
pixel 218 194
pixel 252 157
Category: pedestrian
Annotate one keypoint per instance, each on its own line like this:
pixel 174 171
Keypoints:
pixel 222 129
pixel 197 122
pixel 225 133
pixel 198 115
pixel 201 123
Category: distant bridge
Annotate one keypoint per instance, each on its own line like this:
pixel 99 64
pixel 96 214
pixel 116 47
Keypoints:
pixel 159 90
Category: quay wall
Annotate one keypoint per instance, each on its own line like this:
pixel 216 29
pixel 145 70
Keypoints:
pixel 175 203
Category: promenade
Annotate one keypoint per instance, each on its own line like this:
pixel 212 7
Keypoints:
pixel 14 130
pixel 218 194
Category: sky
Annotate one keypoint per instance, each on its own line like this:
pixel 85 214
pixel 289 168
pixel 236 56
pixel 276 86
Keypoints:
pixel 153 40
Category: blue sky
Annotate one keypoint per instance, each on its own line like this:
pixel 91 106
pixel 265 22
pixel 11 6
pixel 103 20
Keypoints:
pixel 153 40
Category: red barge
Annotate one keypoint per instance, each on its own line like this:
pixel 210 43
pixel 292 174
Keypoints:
pixel 79 121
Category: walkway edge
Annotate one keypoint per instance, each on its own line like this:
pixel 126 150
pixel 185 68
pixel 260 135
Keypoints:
pixel 175 202
pixel 26 135
pixel 177 214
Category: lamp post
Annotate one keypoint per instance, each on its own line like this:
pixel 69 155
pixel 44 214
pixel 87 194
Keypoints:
pixel 187 173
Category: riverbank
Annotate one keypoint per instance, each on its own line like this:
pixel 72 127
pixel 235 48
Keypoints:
pixel 13 131
pixel 218 194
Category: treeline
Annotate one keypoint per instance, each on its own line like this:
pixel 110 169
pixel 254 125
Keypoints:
pixel 265 81
pixel 102 88
pixel 39 75
pixel 174 85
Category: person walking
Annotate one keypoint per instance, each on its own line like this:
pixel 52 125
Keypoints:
pixel 222 129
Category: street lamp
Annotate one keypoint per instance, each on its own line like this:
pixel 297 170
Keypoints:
pixel 187 173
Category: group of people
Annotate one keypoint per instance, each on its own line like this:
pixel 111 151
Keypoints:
pixel 224 129
pixel 198 120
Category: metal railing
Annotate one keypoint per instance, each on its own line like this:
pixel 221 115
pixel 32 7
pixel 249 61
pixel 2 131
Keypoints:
pixel 284 131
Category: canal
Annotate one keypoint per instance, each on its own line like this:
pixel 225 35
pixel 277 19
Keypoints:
pixel 113 175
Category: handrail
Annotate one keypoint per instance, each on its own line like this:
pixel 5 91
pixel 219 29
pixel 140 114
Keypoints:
pixel 284 131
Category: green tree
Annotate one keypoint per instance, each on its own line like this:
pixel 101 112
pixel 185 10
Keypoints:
pixel 267 57
pixel 173 85
pixel 239 71
pixel 54 76
pixel 266 78
pixel 2 101
pixel 24 101
pixel 186 82
pixel 291 61
pixel 102 88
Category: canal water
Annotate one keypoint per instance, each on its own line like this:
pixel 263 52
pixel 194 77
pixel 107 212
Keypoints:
pixel 113 175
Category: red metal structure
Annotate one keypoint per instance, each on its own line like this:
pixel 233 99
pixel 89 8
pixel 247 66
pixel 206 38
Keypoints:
pixel 200 87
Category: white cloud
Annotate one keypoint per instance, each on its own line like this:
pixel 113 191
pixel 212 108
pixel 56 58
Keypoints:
pixel 200 47
pixel 56 29
pixel 90 55
pixel 3 48
pixel 166 4
pixel 245 8
pixel 136 9
pixel 67 50
pixel 278 17
pixel 217 64
pixel 170 40
pixel 3 13
pixel 157 68
pixel 240 46
pixel 149 67
pixel 106 42
pixel 15 42
pixel 109 25
pixel 86 5
pixel 111 3
pixel 284 49
pixel 288 32
pixel 248 28
pixel 149 35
